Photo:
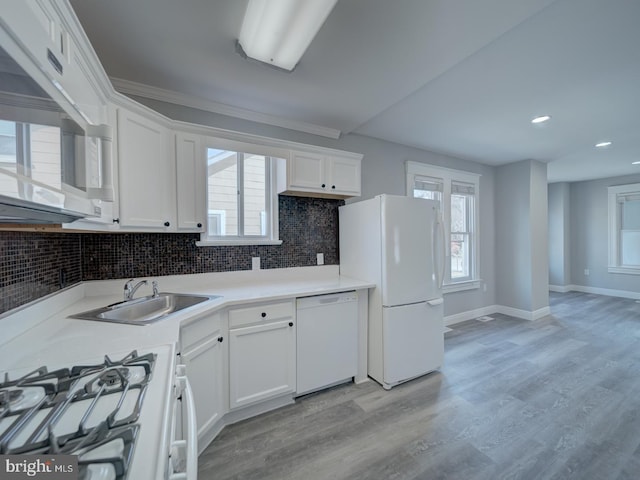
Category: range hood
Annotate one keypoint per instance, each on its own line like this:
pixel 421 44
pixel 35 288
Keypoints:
pixel 17 211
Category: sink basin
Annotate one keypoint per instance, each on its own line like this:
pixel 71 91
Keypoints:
pixel 142 311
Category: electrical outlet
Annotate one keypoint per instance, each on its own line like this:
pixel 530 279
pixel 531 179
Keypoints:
pixel 586 272
pixel 255 263
pixel 320 258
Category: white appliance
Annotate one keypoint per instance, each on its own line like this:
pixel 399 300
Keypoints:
pixel 119 414
pixel 327 340
pixel 391 241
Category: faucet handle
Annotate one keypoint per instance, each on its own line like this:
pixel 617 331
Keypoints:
pixel 154 285
pixel 128 289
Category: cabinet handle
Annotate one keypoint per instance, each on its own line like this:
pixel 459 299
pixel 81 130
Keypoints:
pixel 333 187
pixel 116 220
pixel 199 225
pixel 263 314
pixel 220 339
pixel 166 224
pixel 323 185
pixel 291 324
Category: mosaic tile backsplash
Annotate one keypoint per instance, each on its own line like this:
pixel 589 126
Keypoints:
pixel 35 264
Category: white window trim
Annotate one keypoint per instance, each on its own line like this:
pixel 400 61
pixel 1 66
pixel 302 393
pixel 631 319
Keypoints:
pixel 614 228
pixel 448 175
pixel 462 286
pixel 272 237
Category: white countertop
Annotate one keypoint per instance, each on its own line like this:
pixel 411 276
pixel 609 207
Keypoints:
pixel 42 333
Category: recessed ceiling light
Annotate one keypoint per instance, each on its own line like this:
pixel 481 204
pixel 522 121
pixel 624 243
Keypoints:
pixel 603 144
pixel 541 119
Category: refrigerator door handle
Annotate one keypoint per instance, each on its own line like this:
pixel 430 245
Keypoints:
pixel 443 258
pixel 437 301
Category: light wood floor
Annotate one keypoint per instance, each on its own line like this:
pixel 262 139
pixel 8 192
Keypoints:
pixel 558 398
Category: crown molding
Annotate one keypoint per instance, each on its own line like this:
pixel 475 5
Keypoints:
pixel 147 91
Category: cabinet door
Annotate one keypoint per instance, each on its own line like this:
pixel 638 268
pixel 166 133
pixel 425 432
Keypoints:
pixel 190 171
pixel 146 174
pixel 205 372
pixel 344 175
pixel 261 362
pixel 307 171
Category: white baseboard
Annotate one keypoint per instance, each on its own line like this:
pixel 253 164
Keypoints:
pixel 524 314
pixel 601 291
pixel 469 315
pixel 479 312
pixel 560 288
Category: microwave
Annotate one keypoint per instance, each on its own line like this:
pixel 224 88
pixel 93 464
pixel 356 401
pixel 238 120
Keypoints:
pixel 53 169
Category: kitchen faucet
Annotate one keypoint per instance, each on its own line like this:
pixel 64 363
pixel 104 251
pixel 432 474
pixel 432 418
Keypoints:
pixel 129 291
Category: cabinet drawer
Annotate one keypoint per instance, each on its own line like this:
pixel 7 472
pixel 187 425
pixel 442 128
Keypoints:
pixel 197 331
pixel 260 313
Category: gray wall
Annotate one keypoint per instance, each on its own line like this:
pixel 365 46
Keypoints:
pixel 513 269
pixel 521 235
pixel 589 236
pixel 383 171
pixel 539 211
pixel 559 234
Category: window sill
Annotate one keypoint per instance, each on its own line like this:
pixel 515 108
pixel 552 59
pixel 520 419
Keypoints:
pixel 238 242
pixel 624 270
pixel 461 286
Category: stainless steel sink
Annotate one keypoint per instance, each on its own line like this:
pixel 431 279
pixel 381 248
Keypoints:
pixel 142 311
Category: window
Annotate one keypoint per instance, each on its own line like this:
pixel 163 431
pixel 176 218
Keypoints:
pixel 241 200
pixel 457 193
pixel 624 229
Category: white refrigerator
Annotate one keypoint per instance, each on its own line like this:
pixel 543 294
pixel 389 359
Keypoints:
pixel 393 241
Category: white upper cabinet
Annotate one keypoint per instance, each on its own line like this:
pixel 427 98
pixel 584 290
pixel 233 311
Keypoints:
pixel 190 182
pixel 319 174
pixel 146 173
pixel 344 175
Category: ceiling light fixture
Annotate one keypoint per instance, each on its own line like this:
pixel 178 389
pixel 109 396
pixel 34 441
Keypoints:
pixel 541 119
pixel 635 163
pixel 278 33
pixel 603 144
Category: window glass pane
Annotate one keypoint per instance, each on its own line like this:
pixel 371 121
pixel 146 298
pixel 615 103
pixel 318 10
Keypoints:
pixel 255 195
pixel 630 247
pixel 222 192
pixel 460 236
pixel 460 256
pixel 459 213
pixel 428 187
pixel 631 215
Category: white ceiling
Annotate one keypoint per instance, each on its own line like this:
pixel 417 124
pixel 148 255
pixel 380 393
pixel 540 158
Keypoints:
pixel 461 77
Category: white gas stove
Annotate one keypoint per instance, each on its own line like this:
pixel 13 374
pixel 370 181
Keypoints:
pixel 118 413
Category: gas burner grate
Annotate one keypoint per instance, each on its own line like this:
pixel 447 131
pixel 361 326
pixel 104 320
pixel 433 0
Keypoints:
pixel 96 393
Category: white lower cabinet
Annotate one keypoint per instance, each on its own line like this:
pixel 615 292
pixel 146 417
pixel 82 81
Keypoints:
pixel 262 355
pixel 203 352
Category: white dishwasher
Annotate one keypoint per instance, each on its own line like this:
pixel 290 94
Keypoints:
pixel 327 340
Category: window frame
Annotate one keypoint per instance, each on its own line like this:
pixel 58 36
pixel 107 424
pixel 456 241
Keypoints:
pixel 615 227
pixel 275 157
pixel 449 176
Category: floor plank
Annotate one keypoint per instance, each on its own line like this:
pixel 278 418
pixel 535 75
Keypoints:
pixel 558 398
